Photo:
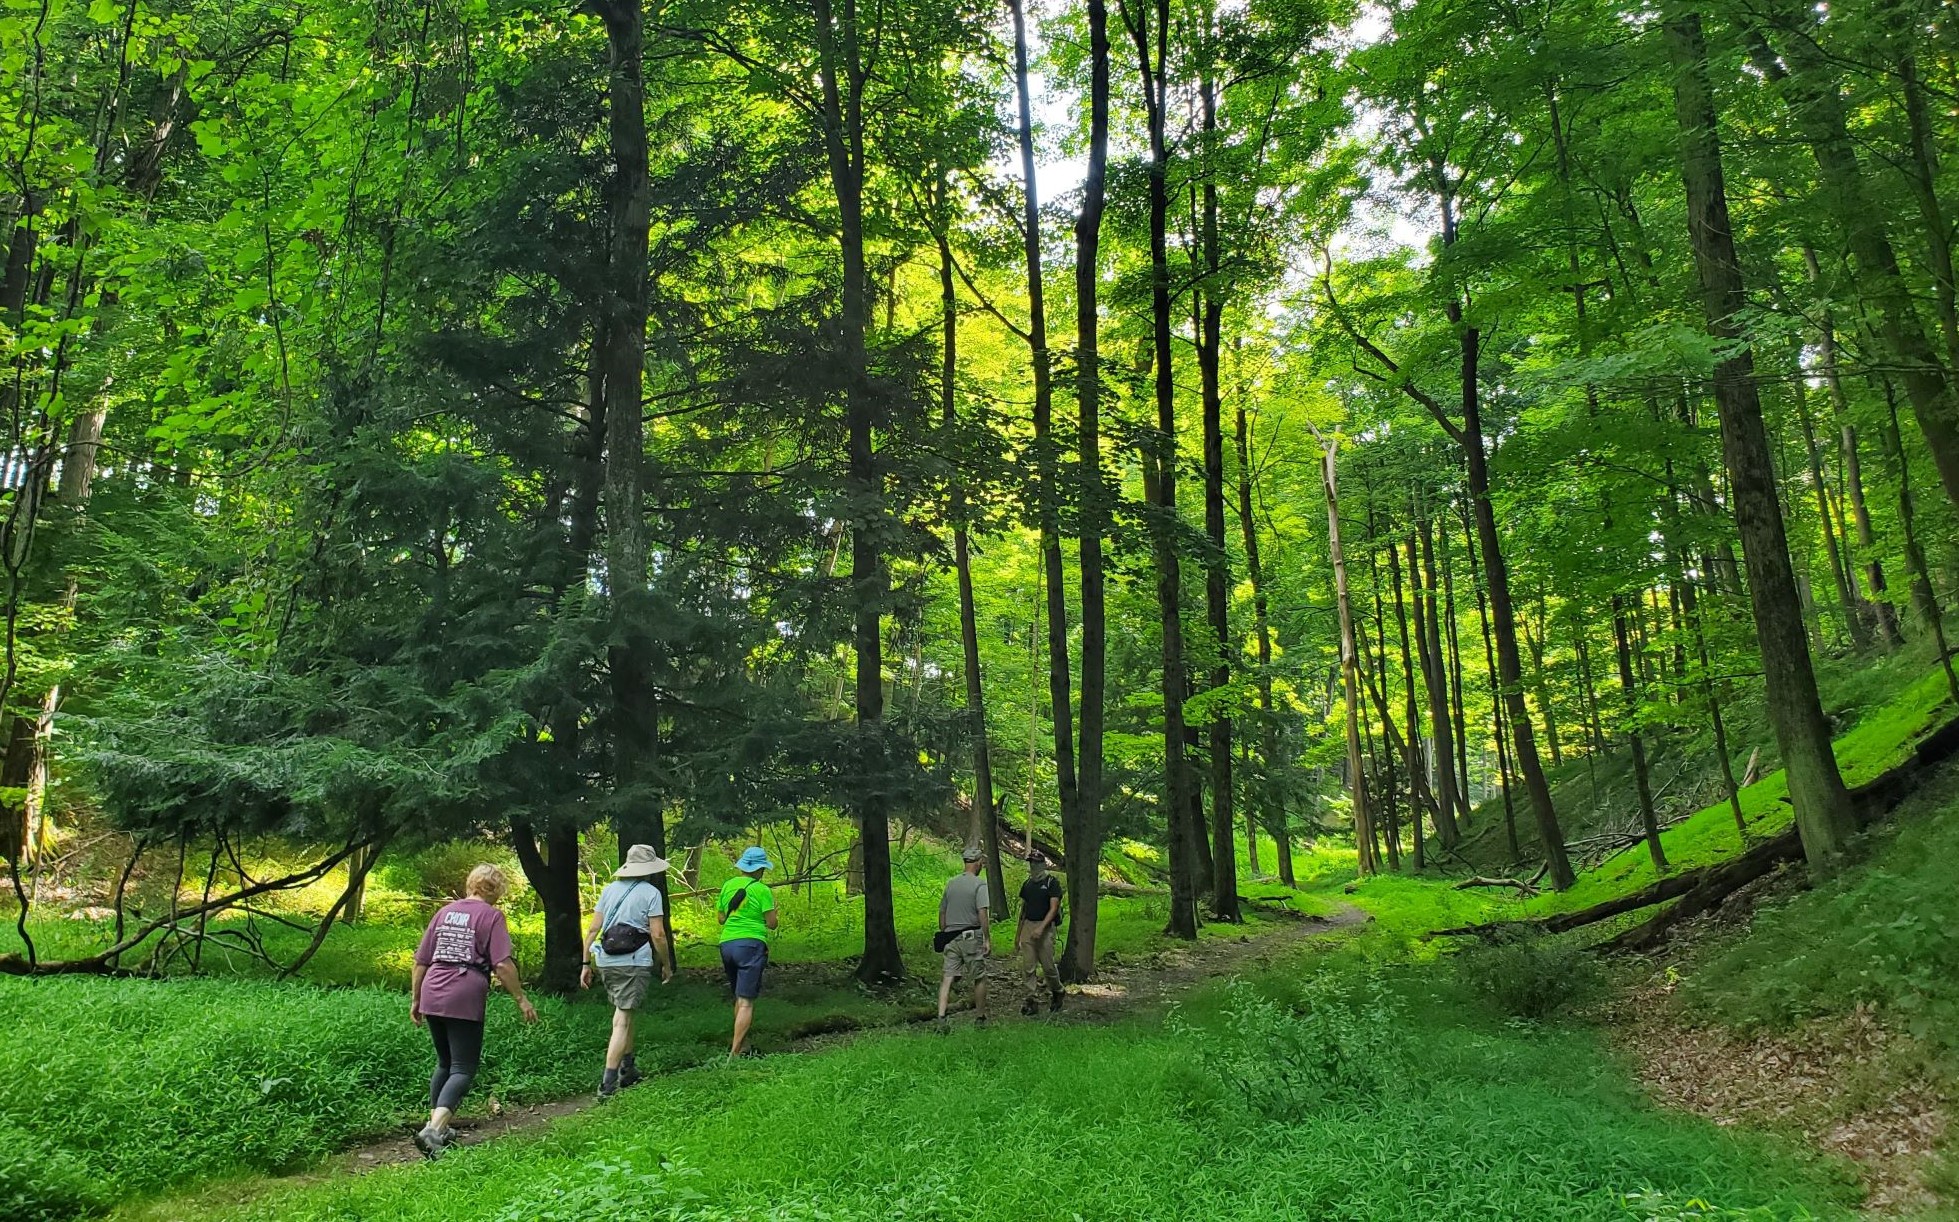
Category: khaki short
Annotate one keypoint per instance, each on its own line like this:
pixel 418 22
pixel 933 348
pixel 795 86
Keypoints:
pixel 626 986
pixel 965 956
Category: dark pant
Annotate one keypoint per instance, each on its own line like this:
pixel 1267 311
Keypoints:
pixel 742 961
pixel 458 1051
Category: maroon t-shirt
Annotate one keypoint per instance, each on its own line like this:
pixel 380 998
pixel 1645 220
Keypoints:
pixel 463 942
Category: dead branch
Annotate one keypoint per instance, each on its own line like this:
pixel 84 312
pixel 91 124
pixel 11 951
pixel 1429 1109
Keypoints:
pixel 1517 885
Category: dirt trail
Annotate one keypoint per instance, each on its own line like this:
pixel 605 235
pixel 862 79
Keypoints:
pixel 1123 986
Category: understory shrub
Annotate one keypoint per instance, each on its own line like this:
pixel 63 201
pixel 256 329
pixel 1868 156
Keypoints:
pixel 1531 975
pixel 1340 1040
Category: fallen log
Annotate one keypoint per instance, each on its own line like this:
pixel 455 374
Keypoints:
pixel 1704 888
pixel 1516 884
pixel 1707 888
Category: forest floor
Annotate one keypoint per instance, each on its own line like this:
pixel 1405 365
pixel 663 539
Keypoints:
pixel 1849 1083
pixel 1125 986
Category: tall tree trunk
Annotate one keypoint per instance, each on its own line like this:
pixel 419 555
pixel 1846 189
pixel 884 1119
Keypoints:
pixel 1217 560
pixel 1369 863
pixel 1884 617
pixel 986 823
pixel 621 360
pixel 1411 716
pixel 1923 595
pixel 1824 816
pixel 1428 646
pixel 1807 80
pixel 1453 661
pixel 1046 476
pixel 1161 467
pixel 1503 620
pixel 1629 692
pixel 1262 630
pixel 1499 727
pixel 1860 636
pixel 841 74
pixel 1083 840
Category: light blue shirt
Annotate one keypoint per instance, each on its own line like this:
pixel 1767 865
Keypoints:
pixel 628 901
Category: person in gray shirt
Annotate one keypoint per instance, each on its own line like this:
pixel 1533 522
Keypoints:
pixel 631 917
pixel 967 935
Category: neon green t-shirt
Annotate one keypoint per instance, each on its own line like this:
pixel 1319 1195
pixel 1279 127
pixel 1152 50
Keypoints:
pixel 749 920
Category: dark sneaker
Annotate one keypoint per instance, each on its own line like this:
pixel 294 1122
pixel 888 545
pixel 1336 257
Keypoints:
pixel 607 1092
pixel 630 1077
pixel 425 1141
pixel 1054 1001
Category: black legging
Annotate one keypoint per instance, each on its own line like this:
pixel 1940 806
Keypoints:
pixel 458 1051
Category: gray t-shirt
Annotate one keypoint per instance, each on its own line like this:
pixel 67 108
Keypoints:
pixel 628 901
pixel 965 895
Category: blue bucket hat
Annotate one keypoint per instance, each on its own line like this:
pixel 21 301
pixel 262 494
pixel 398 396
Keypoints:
pixel 753 858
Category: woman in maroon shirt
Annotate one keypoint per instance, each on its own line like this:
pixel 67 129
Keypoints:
pixel 465 944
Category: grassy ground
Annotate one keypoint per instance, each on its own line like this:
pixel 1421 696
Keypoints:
pixel 114 1090
pixel 1424 1109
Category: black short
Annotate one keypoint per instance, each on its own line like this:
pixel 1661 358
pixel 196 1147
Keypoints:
pixel 742 961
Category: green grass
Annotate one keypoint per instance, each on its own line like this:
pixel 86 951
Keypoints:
pixel 115 1087
pixel 1478 1120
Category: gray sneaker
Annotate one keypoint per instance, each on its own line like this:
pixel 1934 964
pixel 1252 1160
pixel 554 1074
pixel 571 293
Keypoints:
pixel 431 1141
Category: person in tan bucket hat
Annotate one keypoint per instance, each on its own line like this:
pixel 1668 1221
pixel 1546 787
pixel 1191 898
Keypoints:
pixel 627 937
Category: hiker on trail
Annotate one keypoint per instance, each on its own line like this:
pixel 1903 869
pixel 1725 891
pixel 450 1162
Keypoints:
pixel 1040 912
pixel 465 944
pixel 965 935
pixel 746 910
pixel 627 934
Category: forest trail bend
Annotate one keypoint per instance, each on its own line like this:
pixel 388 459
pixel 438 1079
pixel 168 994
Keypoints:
pixel 1122 987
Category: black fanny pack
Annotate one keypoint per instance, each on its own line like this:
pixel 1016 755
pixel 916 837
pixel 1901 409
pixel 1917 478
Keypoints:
pixel 623 939
pixel 946 937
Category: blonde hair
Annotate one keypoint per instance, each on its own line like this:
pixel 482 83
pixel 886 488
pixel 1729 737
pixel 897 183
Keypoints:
pixel 487 883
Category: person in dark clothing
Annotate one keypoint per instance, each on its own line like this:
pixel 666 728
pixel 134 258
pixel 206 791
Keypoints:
pixel 467 942
pixel 1040 912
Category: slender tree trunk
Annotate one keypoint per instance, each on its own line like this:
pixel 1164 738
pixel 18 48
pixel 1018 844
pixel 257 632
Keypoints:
pixel 622 362
pixel 1884 616
pixel 1349 656
pixel 1923 595
pixel 1217 566
pixel 1411 716
pixel 1824 816
pixel 1161 466
pixel 1807 80
pixel 1503 621
pixel 1453 664
pixel 1629 691
pixel 1499 727
pixel 1860 637
pixel 1083 841
pixel 1262 630
pixel 841 75
pixel 1428 646
pixel 986 823
pixel 1046 475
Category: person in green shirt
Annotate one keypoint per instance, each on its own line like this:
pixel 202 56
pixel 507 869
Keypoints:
pixel 746 911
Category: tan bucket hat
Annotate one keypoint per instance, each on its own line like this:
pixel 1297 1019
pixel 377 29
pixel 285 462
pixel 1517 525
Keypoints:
pixel 642 862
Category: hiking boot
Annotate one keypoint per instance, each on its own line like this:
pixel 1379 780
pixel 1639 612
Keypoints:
pixel 630 1077
pixel 1030 1007
pixel 607 1092
pixel 425 1141
pixel 1054 1001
